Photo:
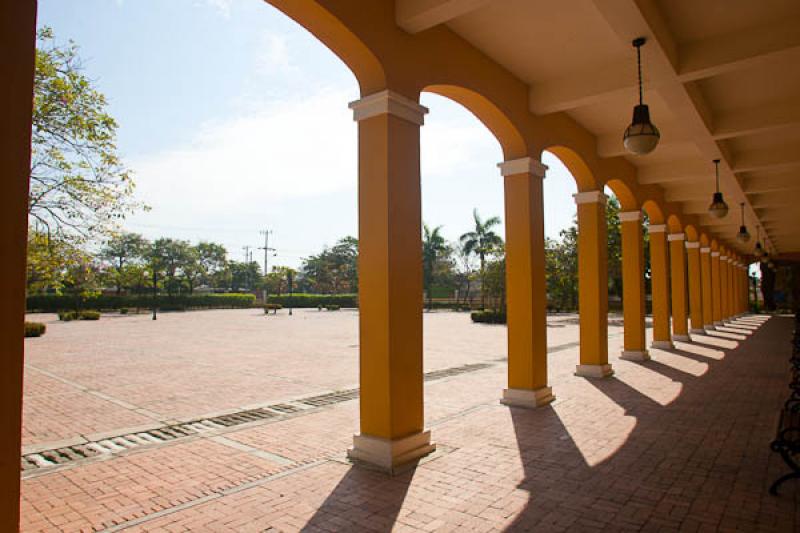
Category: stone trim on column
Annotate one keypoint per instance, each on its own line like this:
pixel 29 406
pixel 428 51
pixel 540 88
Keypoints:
pixel 391 103
pixel 630 216
pixel 523 165
pixel 657 228
pixel 714 254
pixel 590 197
pixel 676 237
pixel 705 250
pixel 692 244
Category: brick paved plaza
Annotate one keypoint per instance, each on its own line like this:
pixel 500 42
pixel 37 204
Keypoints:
pixel 677 443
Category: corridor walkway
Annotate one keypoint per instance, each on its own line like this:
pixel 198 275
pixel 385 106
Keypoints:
pixel 680 442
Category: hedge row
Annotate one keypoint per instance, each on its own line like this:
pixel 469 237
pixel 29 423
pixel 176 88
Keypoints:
pixel 314 300
pixel 488 317
pixel 53 304
pixel 68 316
pixel 34 329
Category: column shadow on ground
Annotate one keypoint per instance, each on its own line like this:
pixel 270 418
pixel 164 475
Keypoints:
pixel 363 499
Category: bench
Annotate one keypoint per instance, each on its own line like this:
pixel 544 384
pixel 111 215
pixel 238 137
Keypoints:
pixel 787 441
pixel 787 438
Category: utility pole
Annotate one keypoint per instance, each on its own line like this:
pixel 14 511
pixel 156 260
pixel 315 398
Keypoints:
pixel 247 260
pixel 267 250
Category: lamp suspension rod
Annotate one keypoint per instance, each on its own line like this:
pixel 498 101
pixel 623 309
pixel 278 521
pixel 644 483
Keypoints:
pixel 716 164
pixel 638 44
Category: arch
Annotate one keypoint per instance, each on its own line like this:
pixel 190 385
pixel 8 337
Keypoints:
pixel 691 233
pixel 627 200
pixel 654 212
pixel 323 25
pixel 704 240
pixel 583 175
pixel 674 224
pixel 506 133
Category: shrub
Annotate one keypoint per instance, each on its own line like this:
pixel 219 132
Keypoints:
pixel 302 300
pixel 123 310
pixel 488 317
pixel 51 303
pixel 34 329
pixel 333 307
pixel 66 316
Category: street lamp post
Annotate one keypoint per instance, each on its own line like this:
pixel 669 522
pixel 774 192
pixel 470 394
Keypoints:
pixel 155 291
pixel 289 281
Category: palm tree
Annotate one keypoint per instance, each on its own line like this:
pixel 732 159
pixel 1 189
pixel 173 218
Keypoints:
pixel 482 241
pixel 433 247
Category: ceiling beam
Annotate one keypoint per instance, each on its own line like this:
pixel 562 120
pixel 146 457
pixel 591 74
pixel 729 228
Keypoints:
pixel 756 120
pixel 782 157
pixel 415 16
pixel 742 49
pixel 685 170
pixel 784 181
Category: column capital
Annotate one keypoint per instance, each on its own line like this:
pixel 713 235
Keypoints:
pixel 705 250
pixel 657 228
pixel 523 165
pixel 630 216
pixel 714 254
pixel 676 237
pixel 692 244
pixel 388 102
pixel 590 197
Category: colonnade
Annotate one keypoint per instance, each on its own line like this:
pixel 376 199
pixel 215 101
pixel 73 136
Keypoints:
pixel 697 284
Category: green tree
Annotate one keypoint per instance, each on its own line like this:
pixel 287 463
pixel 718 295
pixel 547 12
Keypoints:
pixel 79 185
pixel 433 248
pixel 212 258
pixel 614 236
pixel 334 270
pixel 483 242
pixel 123 250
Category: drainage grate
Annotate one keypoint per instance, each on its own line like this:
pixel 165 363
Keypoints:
pixel 455 371
pixel 121 443
pixel 331 398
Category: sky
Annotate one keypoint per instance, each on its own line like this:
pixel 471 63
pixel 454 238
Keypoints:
pixel 234 120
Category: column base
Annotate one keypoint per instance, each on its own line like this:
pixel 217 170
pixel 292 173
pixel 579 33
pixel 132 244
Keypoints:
pixel 662 345
pixel 529 399
pixel 697 331
pixel 593 371
pixel 709 327
pixel 635 355
pixel 388 455
pixel 682 338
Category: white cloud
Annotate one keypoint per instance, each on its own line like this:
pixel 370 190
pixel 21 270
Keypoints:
pixel 223 6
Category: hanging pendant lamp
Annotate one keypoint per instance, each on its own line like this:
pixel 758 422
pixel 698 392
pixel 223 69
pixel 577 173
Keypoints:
pixel 642 136
pixel 743 235
pixel 718 207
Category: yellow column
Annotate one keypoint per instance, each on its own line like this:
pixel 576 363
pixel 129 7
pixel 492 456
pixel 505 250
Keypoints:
pixel 723 286
pixel 695 287
pixel 390 281
pixel 593 284
pixel 677 256
pixel 18 30
pixel 736 296
pixel 705 277
pixel 731 290
pixel 659 272
pixel 716 288
pixel 633 308
pixel 526 292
